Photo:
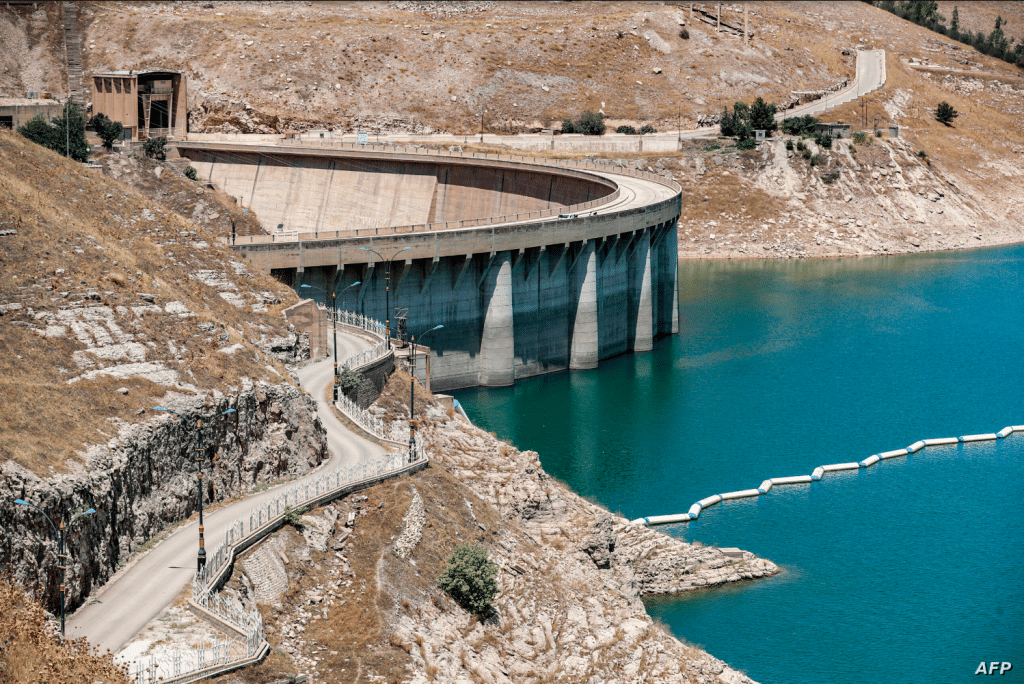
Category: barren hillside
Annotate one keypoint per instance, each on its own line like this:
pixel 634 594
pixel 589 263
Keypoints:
pixel 108 301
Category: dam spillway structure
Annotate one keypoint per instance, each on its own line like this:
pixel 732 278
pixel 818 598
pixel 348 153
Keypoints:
pixel 532 265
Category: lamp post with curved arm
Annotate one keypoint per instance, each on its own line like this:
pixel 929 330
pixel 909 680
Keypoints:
pixel 387 289
pixel 234 220
pixel 61 556
pixel 334 317
pixel 412 394
pixel 201 557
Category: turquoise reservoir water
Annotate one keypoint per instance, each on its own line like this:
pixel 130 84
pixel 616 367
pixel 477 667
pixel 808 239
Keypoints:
pixel 909 571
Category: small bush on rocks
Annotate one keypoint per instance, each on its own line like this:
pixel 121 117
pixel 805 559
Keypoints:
pixel 628 130
pixel 830 178
pixel 789 145
pixel 817 160
pixel 191 173
pixel 684 34
pixel 860 137
pixel 648 128
pixel 878 134
pixel 154 147
pixel 746 144
pixel 806 153
pixel 469 579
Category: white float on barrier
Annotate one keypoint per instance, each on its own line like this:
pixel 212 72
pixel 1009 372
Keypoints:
pixel 743 493
pixel 665 519
pixel 835 467
pixel 766 486
pixel 796 479
pixel 978 438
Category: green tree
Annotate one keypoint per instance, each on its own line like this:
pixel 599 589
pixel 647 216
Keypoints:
pixel 628 130
pixel 954 23
pixel 567 126
pixel 65 135
pixel 647 128
pixel 71 140
pixel 154 147
pixel 762 116
pixel 727 123
pixel 470 579
pixel 109 131
pixel 945 113
pixel 39 131
pixel 590 123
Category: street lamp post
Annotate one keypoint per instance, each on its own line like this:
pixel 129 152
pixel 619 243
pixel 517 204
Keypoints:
pixel 201 556
pixel 334 318
pixel 387 289
pixel 233 221
pixel 412 394
pixel 61 556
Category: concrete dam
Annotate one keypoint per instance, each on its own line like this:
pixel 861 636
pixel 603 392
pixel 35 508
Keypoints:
pixel 531 265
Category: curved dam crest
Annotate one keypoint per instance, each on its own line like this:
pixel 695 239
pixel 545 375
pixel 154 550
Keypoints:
pixel 481 249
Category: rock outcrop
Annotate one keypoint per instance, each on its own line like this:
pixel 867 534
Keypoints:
pixel 144 480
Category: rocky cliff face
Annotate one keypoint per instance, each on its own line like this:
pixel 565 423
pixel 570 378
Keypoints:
pixel 144 480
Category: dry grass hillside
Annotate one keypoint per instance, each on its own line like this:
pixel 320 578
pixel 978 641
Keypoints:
pixel 441 65
pixel 107 301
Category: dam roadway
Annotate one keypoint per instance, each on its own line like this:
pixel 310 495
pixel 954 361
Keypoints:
pixel 532 265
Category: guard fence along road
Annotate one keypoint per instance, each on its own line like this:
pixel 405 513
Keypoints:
pixel 820 472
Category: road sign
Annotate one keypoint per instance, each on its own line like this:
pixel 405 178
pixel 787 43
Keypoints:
pixel 362 138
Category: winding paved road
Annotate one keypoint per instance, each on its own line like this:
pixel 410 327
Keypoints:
pixel 138 593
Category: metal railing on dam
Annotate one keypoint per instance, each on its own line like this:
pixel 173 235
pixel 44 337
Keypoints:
pixel 518 294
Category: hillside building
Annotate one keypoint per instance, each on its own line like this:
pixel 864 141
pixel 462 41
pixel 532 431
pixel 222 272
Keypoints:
pixel 148 104
pixel 18 111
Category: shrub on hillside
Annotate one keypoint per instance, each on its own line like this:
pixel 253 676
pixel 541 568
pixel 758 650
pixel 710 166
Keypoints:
pixel 801 145
pixel 746 144
pixel 830 178
pixel 806 153
pixel 628 130
pixel 860 137
pixel 945 113
pixel 789 145
pixel 154 147
pixel 590 123
pixel 824 141
pixel 567 126
pixel 817 160
pixel 648 128
pixel 469 579
pixel 684 34
pixel 191 173
pixel 878 134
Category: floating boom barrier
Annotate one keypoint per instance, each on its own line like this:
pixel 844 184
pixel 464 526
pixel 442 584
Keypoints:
pixel 820 472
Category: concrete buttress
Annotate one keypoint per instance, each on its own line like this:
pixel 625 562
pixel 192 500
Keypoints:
pixel 584 351
pixel 641 304
pixel 497 344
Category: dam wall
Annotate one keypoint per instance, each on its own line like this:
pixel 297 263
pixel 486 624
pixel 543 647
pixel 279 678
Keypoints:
pixel 314 192
pixel 556 287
